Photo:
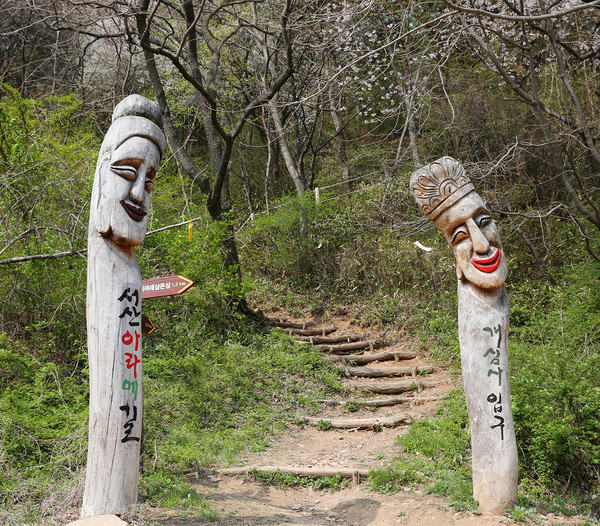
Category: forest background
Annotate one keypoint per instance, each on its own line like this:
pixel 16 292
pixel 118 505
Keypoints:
pixel 265 102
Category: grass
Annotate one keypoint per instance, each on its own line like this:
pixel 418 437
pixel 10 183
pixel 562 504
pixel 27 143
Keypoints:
pixel 213 388
pixel 280 479
pixel 170 491
pixel 435 454
pixel 323 425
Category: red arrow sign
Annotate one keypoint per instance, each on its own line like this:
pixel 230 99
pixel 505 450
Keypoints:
pixel 165 286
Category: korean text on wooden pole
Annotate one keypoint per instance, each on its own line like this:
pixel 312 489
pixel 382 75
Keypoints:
pixel 445 194
pixel 125 172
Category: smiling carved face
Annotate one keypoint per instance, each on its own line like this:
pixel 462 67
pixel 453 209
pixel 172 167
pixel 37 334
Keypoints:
pixel 127 181
pixel 475 241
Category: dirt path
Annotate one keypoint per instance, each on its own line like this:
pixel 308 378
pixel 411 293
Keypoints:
pixel 399 387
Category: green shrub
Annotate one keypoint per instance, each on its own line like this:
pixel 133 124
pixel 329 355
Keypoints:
pixel 554 355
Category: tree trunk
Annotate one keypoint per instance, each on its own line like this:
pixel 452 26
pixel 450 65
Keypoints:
pixel 386 372
pixel 132 149
pixel 298 471
pixel 341 138
pixel 399 386
pixel 297 178
pixel 217 195
pixel 342 347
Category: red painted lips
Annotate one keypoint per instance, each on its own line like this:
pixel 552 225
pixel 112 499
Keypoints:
pixel 137 214
pixel 488 265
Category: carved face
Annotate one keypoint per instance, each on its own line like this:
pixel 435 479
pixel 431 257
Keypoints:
pixel 127 181
pixel 475 241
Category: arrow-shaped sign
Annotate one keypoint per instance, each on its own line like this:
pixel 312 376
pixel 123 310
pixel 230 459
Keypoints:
pixel 147 326
pixel 165 286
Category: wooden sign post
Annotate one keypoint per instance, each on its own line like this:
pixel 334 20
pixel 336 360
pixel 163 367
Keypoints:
pixel 165 286
pixel 125 172
pixel 444 192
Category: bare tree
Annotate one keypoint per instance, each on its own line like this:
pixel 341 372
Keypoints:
pixel 536 48
pixel 195 44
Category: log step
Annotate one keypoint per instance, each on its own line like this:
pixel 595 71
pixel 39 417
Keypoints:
pixel 316 340
pixel 399 386
pixel 280 322
pixel 362 359
pixel 383 372
pixel 383 402
pixel 315 331
pixel 343 347
pixel 354 473
pixel 358 423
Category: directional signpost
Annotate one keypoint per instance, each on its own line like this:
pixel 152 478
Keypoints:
pixel 160 287
pixel 165 286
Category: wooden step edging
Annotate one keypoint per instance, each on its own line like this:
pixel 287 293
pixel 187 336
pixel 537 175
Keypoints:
pixel 343 347
pixel 316 340
pixel 316 331
pixel 382 402
pixel 284 324
pixel 361 359
pixel 387 372
pixel 399 386
pixel 354 473
pixel 358 423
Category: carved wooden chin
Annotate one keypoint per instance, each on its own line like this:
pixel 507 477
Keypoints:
pixel 483 272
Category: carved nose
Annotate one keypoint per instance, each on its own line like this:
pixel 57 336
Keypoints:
pixel 480 243
pixel 138 190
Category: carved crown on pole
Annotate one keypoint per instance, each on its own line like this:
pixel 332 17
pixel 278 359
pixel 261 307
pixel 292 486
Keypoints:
pixel 440 185
pixel 136 116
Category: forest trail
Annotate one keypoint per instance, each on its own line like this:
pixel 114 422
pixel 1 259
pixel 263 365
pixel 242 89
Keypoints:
pixel 391 385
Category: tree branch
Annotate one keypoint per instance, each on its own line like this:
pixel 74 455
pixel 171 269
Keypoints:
pixel 524 18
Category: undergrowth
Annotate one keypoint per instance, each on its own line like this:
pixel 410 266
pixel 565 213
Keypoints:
pixel 358 260
pixel 215 383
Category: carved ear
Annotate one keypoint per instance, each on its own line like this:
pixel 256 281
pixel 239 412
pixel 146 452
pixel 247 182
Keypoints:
pixel 99 216
pixel 459 273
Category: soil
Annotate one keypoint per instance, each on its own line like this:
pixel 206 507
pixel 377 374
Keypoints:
pixel 241 501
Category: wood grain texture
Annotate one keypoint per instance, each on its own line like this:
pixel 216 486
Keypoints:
pixel 483 335
pixel 360 423
pixel 361 359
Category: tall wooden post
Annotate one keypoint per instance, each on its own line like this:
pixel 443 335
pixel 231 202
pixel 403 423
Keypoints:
pixel 125 172
pixel 444 192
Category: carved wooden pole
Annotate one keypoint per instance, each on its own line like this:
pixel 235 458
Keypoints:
pixel 125 172
pixel 444 192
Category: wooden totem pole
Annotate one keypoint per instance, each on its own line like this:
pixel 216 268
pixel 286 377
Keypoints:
pixel 445 194
pixel 125 172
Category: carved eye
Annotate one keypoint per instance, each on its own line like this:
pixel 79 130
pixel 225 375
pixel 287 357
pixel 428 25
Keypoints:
pixel 149 185
pixel 483 220
pixel 459 234
pixel 127 172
